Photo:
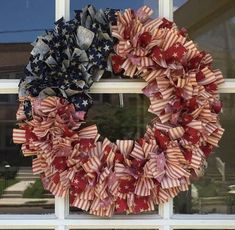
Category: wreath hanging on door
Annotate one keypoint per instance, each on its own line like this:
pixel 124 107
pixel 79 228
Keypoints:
pixel 132 176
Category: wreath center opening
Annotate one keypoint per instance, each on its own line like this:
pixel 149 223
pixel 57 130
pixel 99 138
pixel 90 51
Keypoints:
pixel 117 121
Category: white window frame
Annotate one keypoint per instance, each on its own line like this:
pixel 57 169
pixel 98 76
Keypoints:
pixel 164 220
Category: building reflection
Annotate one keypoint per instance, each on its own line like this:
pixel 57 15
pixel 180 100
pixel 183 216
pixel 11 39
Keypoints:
pixel 20 190
pixel 211 24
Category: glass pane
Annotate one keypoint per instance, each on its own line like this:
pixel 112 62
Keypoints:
pixel 211 24
pixel 215 192
pixel 117 122
pixel 13 58
pixel 121 4
pixel 22 20
pixel 21 192
pixel 120 122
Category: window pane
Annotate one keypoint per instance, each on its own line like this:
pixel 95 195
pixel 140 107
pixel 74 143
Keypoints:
pixel 116 122
pixel 22 20
pixel 211 24
pixel 13 58
pixel 21 192
pixel 121 4
pixel 215 192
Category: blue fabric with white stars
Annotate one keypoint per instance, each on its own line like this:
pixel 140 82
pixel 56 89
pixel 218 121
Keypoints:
pixel 65 63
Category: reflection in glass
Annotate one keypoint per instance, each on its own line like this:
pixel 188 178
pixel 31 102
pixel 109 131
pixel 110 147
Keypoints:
pixel 21 192
pixel 212 27
pixel 215 192
pixel 120 122
pixel 121 4
pixel 13 58
pixel 22 21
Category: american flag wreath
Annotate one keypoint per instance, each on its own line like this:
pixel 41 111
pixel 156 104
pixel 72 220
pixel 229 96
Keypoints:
pixel 126 176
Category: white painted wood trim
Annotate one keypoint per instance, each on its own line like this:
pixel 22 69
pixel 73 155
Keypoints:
pixel 166 210
pixel 180 222
pixel 62 9
pixel 10 86
pixel 166 9
pixel 61 207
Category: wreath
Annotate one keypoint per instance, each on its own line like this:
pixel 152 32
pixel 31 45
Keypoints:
pixel 126 176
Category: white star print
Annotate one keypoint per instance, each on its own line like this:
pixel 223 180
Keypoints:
pixel 126 187
pixel 99 55
pixel 76 181
pixel 26 104
pixel 106 48
pixel 36 68
pixel 85 102
pixel 77 105
pixel 175 55
pixel 91 57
